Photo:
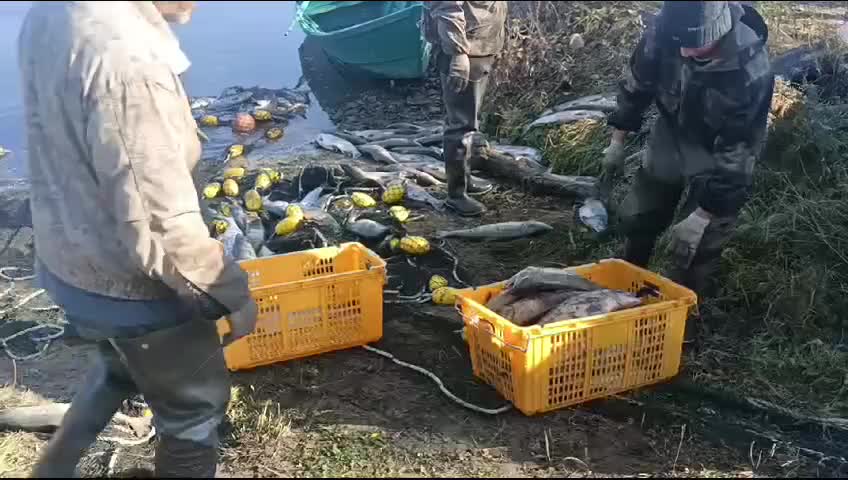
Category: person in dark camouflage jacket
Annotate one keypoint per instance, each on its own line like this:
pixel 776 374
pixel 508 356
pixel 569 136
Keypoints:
pixel 706 68
pixel 466 37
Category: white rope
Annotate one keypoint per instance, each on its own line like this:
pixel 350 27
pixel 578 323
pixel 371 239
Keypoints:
pixel 438 381
pixel 132 443
pixel 5 276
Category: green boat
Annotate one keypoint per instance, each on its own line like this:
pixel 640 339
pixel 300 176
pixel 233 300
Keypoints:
pixel 380 39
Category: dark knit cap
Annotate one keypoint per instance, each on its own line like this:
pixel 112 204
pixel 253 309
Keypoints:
pixel 695 24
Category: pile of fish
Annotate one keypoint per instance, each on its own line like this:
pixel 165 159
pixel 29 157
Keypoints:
pixel 271 108
pixel 541 296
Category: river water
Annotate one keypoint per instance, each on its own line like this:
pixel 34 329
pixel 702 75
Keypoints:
pixel 229 43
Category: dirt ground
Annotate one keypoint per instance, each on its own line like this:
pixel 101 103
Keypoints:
pixel 354 413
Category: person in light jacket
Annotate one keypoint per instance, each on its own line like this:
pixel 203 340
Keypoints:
pixel 120 241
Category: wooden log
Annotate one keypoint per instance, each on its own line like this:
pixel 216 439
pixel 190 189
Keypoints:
pixel 533 177
pixel 39 418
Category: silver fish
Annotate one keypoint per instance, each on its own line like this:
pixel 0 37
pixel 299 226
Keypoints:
pixel 362 177
pixel 264 252
pixel 232 100
pixel 538 279
pixel 593 214
pixel 421 177
pixel 565 117
pixel 276 208
pixel 336 144
pixel 312 199
pixel 201 102
pixel 499 232
pixel 413 158
pixel 432 139
pixel 254 232
pixel 432 152
pixel 587 304
pixel 235 244
pixel 354 139
pixel 405 126
pixel 396 142
pixel 373 135
pixel 415 193
pixel 603 103
pixel 517 151
pixel 378 153
pixel 368 229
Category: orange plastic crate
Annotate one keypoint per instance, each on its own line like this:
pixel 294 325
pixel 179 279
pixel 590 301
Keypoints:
pixel 311 302
pixel 540 369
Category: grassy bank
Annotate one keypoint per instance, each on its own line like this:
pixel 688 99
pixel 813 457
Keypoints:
pixel 777 328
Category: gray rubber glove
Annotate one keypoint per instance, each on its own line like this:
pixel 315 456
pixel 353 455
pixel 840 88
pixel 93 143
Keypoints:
pixel 614 156
pixel 241 323
pixel 459 71
pixel 686 236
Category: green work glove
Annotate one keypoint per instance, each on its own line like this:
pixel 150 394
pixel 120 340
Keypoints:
pixel 686 237
pixel 242 323
pixel 459 71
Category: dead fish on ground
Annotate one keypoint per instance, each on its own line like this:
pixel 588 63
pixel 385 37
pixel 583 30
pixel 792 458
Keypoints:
pixel 405 126
pixel 368 229
pixel 499 232
pixel 236 245
pixel 254 231
pixel 603 103
pixel 587 304
pixel 527 311
pixel 413 158
pixel 517 151
pixel 422 178
pixel 537 279
pixel 432 139
pixel 378 154
pixel 432 152
pixel 373 135
pixel 416 193
pixel 362 177
pixel 201 102
pixel 312 199
pixel 396 142
pixel 593 214
pixel 336 144
pixel 234 100
pixel 354 139
pixel 276 208
pixel 565 117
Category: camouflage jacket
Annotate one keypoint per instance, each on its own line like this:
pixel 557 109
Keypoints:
pixel 472 28
pixel 721 105
pixel 112 152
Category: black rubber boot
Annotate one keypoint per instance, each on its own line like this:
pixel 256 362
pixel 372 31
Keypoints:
pixel 177 458
pixel 456 168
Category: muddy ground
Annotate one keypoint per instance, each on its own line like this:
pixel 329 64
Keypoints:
pixel 353 413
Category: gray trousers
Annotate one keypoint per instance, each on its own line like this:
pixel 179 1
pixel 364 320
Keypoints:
pixel 462 118
pixel 181 373
pixel 670 169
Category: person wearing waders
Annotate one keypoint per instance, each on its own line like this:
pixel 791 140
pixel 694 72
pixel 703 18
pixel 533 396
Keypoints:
pixel 706 68
pixel 120 241
pixel 466 36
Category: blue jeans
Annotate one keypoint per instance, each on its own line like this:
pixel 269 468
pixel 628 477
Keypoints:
pixel 177 363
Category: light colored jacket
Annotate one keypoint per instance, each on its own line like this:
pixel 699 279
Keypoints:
pixel 473 28
pixel 112 151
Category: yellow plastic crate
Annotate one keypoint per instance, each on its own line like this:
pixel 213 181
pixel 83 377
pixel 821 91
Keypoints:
pixel 311 302
pixel 540 369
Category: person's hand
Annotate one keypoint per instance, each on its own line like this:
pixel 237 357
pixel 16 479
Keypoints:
pixel 242 322
pixel 614 155
pixel 686 237
pixel 459 71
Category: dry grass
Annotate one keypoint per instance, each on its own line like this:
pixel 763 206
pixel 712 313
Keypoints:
pixel 776 329
pixel 18 450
